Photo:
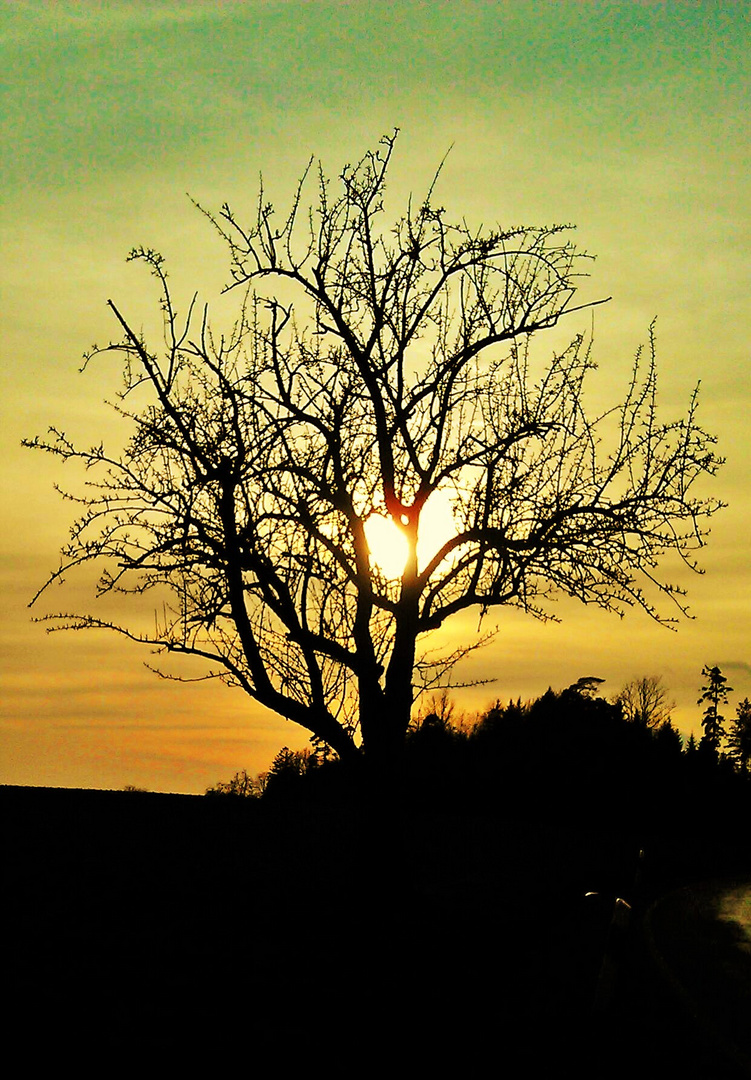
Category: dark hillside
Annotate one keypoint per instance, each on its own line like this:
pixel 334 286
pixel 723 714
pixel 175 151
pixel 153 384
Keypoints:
pixel 139 915
pixel 159 923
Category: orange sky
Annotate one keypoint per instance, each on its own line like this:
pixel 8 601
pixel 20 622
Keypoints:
pixel 628 119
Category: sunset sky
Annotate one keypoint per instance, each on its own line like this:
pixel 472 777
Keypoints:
pixel 628 119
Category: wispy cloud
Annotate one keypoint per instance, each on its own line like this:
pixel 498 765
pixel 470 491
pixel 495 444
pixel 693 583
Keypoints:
pixel 736 665
pixel 65 18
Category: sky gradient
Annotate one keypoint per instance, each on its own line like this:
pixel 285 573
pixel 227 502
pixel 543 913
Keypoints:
pixel 628 119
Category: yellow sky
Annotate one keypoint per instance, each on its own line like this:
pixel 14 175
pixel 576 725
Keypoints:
pixel 628 119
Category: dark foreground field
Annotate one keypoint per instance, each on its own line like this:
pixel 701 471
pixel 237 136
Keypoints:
pixel 142 925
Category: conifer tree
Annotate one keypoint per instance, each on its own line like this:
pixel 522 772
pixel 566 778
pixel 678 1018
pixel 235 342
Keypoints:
pixel 739 736
pixel 715 694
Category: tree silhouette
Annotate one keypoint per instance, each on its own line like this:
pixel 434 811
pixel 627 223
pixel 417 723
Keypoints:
pixel 715 693
pixel 242 784
pixel 403 370
pixel 645 701
pixel 739 736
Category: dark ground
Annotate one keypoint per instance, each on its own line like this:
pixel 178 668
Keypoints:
pixel 142 925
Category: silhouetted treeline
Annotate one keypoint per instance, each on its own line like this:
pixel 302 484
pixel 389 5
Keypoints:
pixel 568 760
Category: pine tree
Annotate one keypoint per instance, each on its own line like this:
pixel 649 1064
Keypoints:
pixel 715 693
pixel 739 737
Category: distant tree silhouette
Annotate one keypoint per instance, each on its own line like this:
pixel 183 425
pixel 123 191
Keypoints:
pixel 645 701
pixel 297 762
pixel 587 686
pixel 438 712
pixel 403 370
pixel 289 771
pixel 739 736
pixel 498 715
pixel 668 737
pixel 242 784
pixel 714 694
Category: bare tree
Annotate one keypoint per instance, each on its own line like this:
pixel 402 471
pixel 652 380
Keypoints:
pixel 403 369
pixel 242 784
pixel 645 701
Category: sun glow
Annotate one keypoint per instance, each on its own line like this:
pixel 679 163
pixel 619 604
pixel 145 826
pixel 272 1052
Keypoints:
pixel 388 545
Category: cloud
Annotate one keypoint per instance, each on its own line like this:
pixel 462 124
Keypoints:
pixel 735 665
pixel 65 19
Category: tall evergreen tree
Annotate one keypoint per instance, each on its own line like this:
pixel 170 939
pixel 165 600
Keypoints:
pixel 714 694
pixel 739 736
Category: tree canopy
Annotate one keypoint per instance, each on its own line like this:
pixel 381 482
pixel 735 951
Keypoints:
pixel 645 701
pixel 374 364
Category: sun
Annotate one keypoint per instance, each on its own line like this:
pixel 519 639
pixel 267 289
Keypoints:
pixel 388 546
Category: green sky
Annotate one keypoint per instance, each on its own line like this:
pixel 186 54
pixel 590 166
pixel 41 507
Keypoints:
pixel 629 119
